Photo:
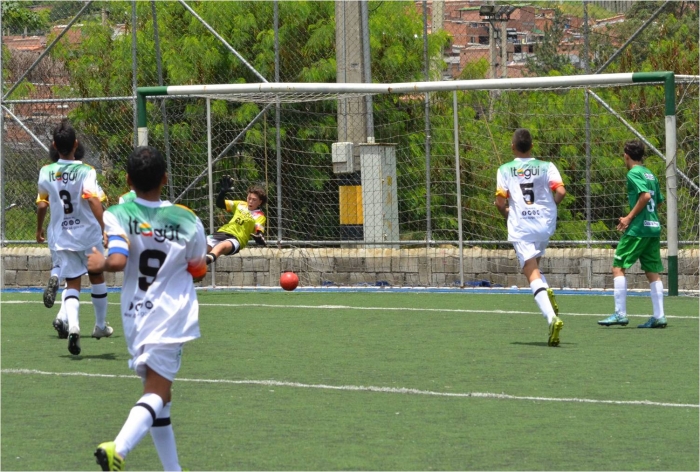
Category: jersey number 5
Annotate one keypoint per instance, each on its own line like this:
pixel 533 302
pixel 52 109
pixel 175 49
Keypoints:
pixel 528 193
pixel 147 269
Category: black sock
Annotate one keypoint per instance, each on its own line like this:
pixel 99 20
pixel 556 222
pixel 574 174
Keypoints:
pixel 210 258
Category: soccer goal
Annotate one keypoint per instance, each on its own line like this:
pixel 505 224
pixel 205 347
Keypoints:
pixel 393 184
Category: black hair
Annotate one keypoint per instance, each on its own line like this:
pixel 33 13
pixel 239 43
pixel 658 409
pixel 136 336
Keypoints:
pixel 53 154
pixel 635 149
pixel 146 168
pixel 260 192
pixel 522 140
pixel 64 138
pixel 79 152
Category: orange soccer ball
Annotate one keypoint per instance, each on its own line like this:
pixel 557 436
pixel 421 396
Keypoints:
pixel 289 281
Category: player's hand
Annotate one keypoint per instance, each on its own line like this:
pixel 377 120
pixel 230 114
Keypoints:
pixel 624 223
pixel 40 236
pixel 225 184
pixel 96 261
pixel 259 239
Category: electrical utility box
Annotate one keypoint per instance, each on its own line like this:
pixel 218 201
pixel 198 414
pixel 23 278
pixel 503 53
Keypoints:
pixel 380 205
pixel 342 158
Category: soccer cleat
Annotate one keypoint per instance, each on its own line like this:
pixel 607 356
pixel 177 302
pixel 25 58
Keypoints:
pixel 107 457
pixel 100 333
pixel 50 291
pixel 61 328
pixel 74 340
pixel 654 323
pixel 554 328
pixel 553 301
pixel 613 320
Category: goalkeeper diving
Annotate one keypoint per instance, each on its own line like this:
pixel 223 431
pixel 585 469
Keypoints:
pixel 247 221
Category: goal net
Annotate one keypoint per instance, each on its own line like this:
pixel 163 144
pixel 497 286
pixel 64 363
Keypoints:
pixel 393 185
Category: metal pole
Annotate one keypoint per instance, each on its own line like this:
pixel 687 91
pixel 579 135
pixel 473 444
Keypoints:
pixel 166 132
pixel 587 103
pixel 429 231
pixel 210 166
pixel 367 69
pixel 24 127
pixel 2 157
pixel 278 138
pixel 134 71
pixel 460 237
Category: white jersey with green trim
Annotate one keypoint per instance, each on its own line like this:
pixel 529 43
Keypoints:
pixel 165 245
pixel 66 185
pixel 528 184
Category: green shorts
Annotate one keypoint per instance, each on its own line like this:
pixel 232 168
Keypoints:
pixel 646 250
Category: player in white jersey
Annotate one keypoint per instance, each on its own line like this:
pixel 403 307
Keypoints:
pixel 60 323
pixel 161 248
pixel 69 188
pixel 528 192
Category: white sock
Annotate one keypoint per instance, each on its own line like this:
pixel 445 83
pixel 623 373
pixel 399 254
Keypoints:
pixel 71 303
pixel 539 290
pixel 62 315
pixel 544 281
pixel 140 420
pixel 620 293
pixel 56 271
pixel 99 303
pixel 657 298
pixel 164 440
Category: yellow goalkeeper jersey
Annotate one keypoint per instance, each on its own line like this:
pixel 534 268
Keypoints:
pixel 244 222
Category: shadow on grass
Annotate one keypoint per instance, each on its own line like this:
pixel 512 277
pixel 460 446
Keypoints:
pixel 540 344
pixel 107 356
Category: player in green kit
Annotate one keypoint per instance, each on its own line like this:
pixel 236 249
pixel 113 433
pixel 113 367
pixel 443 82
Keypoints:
pixel 247 221
pixel 641 240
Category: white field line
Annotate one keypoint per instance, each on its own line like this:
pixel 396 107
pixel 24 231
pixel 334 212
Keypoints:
pixel 362 388
pixel 368 308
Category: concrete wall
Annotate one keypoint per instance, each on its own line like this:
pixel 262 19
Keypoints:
pixel 436 267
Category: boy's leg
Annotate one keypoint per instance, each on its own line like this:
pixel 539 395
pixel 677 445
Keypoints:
pixel 650 259
pixel 164 439
pixel 529 254
pixel 99 303
pixel 227 247
pixel 52 284
pixel 60 323
pixel 72 304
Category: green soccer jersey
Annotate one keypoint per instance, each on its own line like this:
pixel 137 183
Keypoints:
pixel 646 223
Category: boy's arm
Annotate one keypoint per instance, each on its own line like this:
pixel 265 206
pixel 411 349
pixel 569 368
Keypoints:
pixel 97 210
pixel 559 194
pixel 98 263
pixel 225 186
pixel 118 249
pixel 642 201
pixel 501 205
pixel 42 207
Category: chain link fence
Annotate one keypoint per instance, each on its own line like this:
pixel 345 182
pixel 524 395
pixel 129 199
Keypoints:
pixel 88 76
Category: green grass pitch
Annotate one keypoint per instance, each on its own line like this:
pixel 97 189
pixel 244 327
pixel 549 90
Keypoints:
pixel 368 381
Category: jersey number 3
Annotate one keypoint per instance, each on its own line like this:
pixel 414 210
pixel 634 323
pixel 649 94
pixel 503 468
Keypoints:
pixel 148 268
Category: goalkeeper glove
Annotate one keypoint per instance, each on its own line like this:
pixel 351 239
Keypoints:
pixel 225 187
pixel 259 239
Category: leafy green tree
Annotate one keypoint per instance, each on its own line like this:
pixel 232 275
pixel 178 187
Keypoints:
pixel 18 17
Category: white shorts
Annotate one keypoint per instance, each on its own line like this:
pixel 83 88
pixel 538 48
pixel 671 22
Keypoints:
pixel 73 264
pixel 528 250
pixel 164 359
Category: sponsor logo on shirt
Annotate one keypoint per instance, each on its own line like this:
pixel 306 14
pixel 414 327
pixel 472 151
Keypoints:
pixel 649 176
pixel 524 173
pixel 63 177
pixel 145 229
pixel 652 224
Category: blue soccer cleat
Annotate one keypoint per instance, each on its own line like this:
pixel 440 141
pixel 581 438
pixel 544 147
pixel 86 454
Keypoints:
pixel 613 320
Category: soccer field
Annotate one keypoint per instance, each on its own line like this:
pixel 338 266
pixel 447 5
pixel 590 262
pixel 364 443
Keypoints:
pixel 368 381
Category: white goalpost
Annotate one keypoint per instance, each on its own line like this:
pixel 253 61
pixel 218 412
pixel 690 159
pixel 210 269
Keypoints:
pixel 371 201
